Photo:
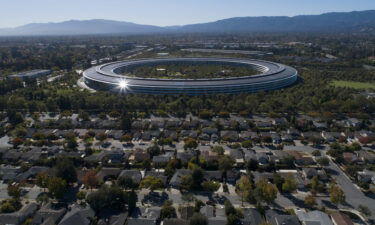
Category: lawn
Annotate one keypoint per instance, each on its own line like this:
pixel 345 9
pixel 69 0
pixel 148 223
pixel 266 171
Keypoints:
pixel 353 84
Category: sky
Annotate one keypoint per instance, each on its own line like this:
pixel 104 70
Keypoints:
pixel 165 12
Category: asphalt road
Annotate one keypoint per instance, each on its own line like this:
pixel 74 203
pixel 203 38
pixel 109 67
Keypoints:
pixel 354 196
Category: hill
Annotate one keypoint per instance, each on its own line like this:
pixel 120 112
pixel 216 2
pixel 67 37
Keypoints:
pixel 359 21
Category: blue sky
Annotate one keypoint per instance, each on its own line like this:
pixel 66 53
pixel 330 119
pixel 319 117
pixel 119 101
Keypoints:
pixel 165 12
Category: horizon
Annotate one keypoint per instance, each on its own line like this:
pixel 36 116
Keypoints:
pixel 42 11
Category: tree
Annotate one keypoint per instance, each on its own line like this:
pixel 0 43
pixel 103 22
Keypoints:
pixel 315 185
pixel 152 183
pixel 71 143
pixel 42 180
pixel 126 123
pixel 153 150
pixel 114 114
pixel 108 197
pixel 247 144
pixel 290 184
pixel 316 153
pixel 197 177
pixel 65 169
pixel 57 187
pixel 14 191
pixel 171 167
pixel 193 181
pixel 278 180
pixel 198 219
pixel 233 215
pixel 126 182
pixel 198 205
pixel 310 201
pixel 265 191
pixel 131 198
pixel 190 143
pixel 324 161
pixel 336 194
pixel 364 210
pixel 218 149
pixel 229 208
pixel 90 179
pixel 168 211
pixel 210 186
pixel 83 115
pixel 226 163
pixel 244 189
pixel 205 114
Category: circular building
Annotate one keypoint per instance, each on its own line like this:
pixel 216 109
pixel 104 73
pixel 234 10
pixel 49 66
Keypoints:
pixel 113 77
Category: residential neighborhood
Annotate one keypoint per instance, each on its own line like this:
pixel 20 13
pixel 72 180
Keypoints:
pixel 227 169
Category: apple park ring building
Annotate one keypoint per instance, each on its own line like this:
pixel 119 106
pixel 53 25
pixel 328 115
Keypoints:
pixel 110 77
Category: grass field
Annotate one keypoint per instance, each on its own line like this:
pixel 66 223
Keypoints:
pixel 353 84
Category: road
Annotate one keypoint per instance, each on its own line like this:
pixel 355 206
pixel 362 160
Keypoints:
pixel 354 196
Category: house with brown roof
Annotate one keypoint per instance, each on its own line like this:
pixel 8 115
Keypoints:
pixel 339 218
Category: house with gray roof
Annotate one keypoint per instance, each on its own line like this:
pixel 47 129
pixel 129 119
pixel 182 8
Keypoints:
pixel 175 181
pixel 18 217
pixel 77 215
pixel 135 175
pixel 314 218
pixel 49 214
pixel 251 217
pixel 278 218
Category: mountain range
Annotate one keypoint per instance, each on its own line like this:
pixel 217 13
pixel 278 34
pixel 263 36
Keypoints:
pixel 357 21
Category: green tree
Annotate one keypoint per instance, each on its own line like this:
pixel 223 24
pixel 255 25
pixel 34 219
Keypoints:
pixel 126 123
pixel 168 211
pixel 108 197
pixel 190 143
pixel 247 144
pixel 42 180
pixel 218 149
pixel 131 198
pixel 310 201
pixel 315 185
pixel 171 167
pixel 265 191
pixel 198 219
pixel 83 115
pixel 14 191
pixel 364 210
pixel 290 184
pixel 316 153
pixel 153 150
pixel 226 163
pixel 336 194
pixel 152 183
pixel 57 187
pixel 244 189
pixel 278 180
pixel 210 186
pixel 66 170
pixel 126 182
pixel 324 161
